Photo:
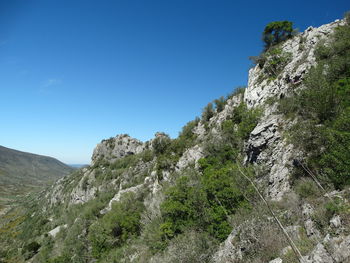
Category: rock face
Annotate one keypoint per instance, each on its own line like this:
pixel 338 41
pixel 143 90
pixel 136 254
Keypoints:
pixel 191 156
pixel 115 148
pixel 266 145
pixel 301 48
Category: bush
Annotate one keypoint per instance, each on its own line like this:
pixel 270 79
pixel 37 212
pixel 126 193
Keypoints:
pixel 207 112
pixel 307 188
pixel 237 91
pixel 202 202
pixel 117 226
pixel 335 161
pixel 30 249
pixel 186 138
pixel 220 104
pixel 192 246
pixel 161 143
pixel 238 128
pixel 258 60
pixel 275 61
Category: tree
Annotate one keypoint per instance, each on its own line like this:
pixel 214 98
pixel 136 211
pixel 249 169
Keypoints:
pixel 277 31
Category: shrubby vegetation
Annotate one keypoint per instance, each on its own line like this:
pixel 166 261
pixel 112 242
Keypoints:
pixel 218 105
pixel 272 62
pixel 237 129
pixel 205 201
pixel 117 226
pixel 323 111
pixel 208 112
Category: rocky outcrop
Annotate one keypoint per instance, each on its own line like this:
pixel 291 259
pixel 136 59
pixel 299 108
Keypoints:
pixel 301 48
pixel 309 224
pixel 266 144
pixel 85 190
pixel 190 156
pixel 267 147
pixel 116 148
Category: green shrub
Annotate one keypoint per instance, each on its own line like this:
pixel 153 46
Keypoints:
pixel 154 235
pixel 335 161
pixel 207 112
pixel 117 226
pixel 238 128
pixel 220 104
pixel 147 156
pixel 192 246
pixel 125 162
pixel 186 138
pixel 237 91
pixel 306 187
pixel 258 60
pixel 202 202
pixel 161 143
pixel 30 249
pixel 61 259
pixel 276 60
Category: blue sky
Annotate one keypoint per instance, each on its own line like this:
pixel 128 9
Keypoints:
pixel 76 72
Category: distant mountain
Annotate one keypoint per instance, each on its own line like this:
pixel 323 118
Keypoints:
pixel 21 172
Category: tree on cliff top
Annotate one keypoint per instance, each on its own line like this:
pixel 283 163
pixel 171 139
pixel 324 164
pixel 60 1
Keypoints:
pixel 277 31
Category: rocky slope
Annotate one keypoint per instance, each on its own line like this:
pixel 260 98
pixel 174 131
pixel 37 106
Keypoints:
pixel 123 167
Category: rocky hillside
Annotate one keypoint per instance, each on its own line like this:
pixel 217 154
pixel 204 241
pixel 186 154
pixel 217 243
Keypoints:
pixel 262 176
pixel 21 172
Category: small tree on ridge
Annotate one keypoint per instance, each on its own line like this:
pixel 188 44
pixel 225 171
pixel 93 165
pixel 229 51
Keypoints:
pixel 276 32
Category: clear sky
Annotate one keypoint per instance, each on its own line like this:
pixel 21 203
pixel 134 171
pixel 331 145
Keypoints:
pixel 75 72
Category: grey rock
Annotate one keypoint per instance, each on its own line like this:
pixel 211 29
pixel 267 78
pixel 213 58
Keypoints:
pixel 118 196
pixel 309 224
pixel 342 251
pixel 115 148
pixel 319 255
pixel 228 251
pixel 55 231
pixel 190 156
pixel 266 147
pixel 335 221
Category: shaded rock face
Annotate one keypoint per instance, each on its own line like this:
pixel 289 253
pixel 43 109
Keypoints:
pixel 115 148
